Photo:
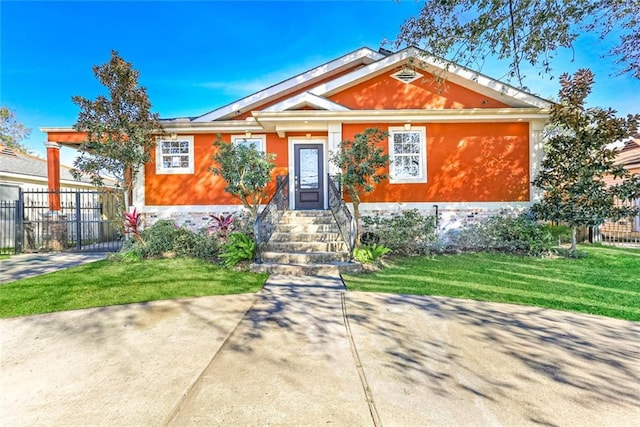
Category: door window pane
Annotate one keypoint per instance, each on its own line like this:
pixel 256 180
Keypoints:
pixel 309 168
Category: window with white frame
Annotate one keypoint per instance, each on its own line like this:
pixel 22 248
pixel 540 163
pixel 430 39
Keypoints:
pixel 175 155
pixel 407 155
pixel 257 141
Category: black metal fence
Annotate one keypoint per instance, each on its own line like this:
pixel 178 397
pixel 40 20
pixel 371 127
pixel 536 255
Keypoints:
pixel 623 232
pixel 86 221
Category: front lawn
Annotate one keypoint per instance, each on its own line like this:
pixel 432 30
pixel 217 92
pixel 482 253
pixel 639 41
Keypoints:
pixel 105 283
pixel 607 282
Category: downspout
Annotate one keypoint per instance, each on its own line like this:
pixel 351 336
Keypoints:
pixel 437 217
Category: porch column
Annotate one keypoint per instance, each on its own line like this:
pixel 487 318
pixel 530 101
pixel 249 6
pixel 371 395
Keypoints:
pixel 53 174
pixel 536 153
pixel 335 137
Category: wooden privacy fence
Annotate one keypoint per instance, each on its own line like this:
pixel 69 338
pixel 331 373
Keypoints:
pixel 87 221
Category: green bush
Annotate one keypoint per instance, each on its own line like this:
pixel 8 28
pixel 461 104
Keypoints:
pixel 159 238
pixel 239 247
pixel 500 233
pixel 405 233
pixel 195 245
pixel 369 254
pixel 165 238
pixel 130 252
pixel 561 233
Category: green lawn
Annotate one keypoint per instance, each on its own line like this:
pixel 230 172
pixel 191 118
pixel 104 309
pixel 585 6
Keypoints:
pixel 607 282
pixel 105 283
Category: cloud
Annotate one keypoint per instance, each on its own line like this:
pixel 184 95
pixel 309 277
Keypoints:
pixel 235 88
pixel 248 86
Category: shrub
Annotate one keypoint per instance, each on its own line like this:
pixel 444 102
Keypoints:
pixel 166 238
pixel 569 253
pixel 405 233
pixel 195 245
pixel 510 234
pixel 159 238
pixel 130 252
pixel 369 254
pixel 239 247
pixel 561 233
pixel 133 223
pixel 222 225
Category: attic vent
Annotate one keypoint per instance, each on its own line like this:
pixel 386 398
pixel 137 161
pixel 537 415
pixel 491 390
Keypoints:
pixel 406 75
pixel 6 151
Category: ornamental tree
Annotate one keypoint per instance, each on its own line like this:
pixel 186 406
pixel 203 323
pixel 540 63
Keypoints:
pixel 521 32
pixel 246 171
pixel 362 162
pixel 579 156
pixel 121 129
pixel 12 132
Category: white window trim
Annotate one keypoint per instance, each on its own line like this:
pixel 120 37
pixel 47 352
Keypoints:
pixel 175 171
pixel 422 130
pixel 261 137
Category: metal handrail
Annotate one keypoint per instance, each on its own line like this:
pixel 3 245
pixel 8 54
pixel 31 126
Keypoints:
pixel 268 219
pixel 342 215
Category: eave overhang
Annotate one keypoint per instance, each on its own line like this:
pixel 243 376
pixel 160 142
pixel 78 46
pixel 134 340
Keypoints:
pixel 319 120
pixel 43 179
pixel 313 120
pixel 177 126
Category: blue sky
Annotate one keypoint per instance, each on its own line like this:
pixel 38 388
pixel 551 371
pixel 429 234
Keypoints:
pixel 194 56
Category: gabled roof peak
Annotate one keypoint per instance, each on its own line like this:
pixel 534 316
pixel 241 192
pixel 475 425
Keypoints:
pixel 360 65
pixel 6 151
pixel 364 56
pixel 306 99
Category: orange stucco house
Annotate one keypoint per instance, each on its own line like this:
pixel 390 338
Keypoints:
pixel 470 147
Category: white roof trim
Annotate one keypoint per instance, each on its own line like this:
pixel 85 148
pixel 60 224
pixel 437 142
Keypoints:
pixel 57 129
pixel 309 117
pixel 456 74
pixel 306 98
pixel 360 55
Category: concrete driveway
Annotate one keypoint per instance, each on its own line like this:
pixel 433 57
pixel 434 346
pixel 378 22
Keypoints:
pixel 29 265
pixel 304 351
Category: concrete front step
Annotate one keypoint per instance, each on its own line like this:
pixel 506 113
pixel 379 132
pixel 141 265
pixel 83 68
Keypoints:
pixel 305 237
pixel 306 228
pixel 306 243
pixel 304 257
pixel 324 219
pixel 325 269
pixel 312 246
pixel 308 213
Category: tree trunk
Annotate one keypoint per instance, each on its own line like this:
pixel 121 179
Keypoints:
pixel 356 217
pixel 574 231
pixel 128 188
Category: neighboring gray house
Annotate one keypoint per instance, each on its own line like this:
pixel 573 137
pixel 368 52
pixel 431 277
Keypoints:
pixel 30 172
pixel 20 171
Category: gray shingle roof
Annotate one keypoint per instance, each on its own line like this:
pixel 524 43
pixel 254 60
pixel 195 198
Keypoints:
pixel 29 166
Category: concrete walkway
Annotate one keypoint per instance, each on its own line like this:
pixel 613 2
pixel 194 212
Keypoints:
pixel 304 351
pixel 29 265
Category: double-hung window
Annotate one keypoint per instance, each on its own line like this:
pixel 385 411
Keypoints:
pixel 175 156
pixel 256 141
pixel 407 155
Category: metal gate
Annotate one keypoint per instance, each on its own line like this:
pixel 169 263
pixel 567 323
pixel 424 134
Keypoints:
pixel 86 221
